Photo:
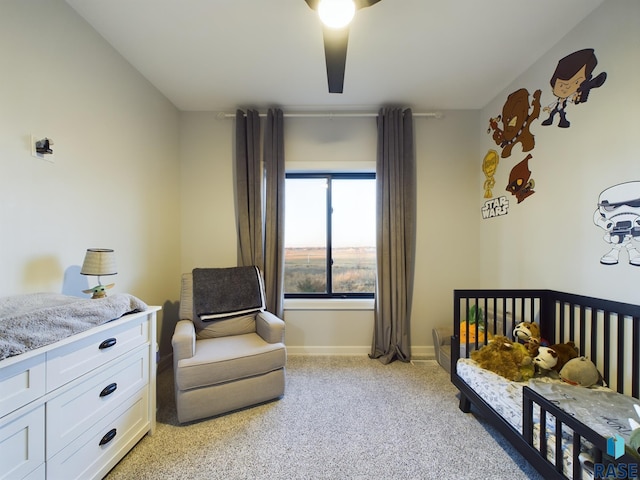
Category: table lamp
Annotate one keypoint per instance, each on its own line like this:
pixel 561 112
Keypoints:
pixel 98 262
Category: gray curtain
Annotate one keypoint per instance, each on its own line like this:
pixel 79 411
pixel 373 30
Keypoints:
pixel 260 200
pixel 249 189
pixel 395 235
pixel 274 211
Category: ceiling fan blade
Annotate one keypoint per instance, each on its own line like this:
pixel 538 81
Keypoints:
pixel 362 3
pixel 335 52
pixel 335 47
pixel 313 4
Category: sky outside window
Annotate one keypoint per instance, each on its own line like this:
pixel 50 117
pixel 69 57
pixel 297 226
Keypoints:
pixel 353 217
pixel 349 268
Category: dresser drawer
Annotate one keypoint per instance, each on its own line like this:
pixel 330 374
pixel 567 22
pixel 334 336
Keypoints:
pixel 96 451
pixel 21 383
pixel 79 408
pixel 22 444
pixel 69 362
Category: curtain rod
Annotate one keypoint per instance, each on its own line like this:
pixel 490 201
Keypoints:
pixel 333 115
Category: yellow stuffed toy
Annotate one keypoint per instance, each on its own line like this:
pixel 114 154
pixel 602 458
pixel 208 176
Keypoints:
pixel 476 326
pixel 506 358
pixel 474 333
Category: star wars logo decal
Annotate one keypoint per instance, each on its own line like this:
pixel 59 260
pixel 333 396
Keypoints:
pixel 495 207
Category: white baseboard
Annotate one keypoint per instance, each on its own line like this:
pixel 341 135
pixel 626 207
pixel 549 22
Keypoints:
pixel 426 351
pixel 327 350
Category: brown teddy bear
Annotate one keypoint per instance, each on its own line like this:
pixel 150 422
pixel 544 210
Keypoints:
pixel 553 358
pixel 525 331
pixel 506 358
pixel 528 333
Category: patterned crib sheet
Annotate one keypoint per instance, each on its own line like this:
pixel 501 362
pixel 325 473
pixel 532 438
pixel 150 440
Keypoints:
pixel 505 397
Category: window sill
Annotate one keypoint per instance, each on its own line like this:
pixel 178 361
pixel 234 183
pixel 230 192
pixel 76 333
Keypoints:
pixel 329 304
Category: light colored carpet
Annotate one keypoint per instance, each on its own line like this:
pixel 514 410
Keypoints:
pixel 340 418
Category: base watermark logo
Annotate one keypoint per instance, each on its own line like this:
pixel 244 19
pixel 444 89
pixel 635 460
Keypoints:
pixel 615 449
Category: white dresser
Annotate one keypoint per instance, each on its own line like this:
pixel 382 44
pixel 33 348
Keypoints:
pixel 74 408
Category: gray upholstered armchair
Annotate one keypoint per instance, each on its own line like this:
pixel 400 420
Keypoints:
pixel 228 351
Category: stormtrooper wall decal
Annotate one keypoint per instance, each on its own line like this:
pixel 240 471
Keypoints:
pixel 618 214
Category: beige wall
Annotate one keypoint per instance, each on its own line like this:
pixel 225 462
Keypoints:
pixel 114 182
pixel 550 240
pixel 446 251
pixel 156 185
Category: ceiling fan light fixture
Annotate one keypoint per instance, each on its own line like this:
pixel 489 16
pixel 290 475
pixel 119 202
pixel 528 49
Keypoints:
pixel 336 13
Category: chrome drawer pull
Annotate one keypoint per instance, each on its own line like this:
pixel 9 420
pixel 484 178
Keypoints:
pixel 110 435
pixel 109 342
pixel 109 389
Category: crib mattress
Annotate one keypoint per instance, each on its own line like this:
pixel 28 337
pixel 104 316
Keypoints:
pixel 602 409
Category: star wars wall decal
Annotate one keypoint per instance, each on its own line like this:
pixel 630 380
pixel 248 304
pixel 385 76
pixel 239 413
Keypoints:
pixel 571 84
pixel 520 183
pixel 495 207
pixel 618 214
pixel 516 121
pixel 489 167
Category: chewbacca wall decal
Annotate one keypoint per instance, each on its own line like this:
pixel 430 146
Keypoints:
pixel 516 119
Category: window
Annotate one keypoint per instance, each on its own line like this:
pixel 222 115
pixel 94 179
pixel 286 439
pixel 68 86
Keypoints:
pixel 330 235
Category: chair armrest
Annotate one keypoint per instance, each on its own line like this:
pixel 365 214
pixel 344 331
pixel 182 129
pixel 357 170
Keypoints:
pixel 442 336
pixel 270 327
pixel 183 341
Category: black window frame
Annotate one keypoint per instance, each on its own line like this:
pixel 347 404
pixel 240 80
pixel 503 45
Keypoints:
pixel 329 262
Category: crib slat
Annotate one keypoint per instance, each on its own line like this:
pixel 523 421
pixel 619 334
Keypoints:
pixel 620 366
pixel 543 432
pixel 572 322
pixel 636 357
pixel 559 461
pixel 606 364
pixel 594 339
pixel 577 467
pixel 583 333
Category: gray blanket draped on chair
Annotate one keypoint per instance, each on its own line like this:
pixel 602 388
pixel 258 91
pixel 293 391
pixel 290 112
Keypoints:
pixel 227 292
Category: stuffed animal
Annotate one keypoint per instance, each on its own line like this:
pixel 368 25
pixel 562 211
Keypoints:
pixel 528 333
pixel 581 371
pixel 506 358
pixel 553 358
pixel 525 331
pixel 99 291
pixel 475 319
pixel 475 331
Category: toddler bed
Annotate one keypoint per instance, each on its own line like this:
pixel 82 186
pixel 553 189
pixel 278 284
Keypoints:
pixel 562 430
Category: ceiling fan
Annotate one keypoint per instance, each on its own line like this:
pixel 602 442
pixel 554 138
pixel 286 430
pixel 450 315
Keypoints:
pixel 335 46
